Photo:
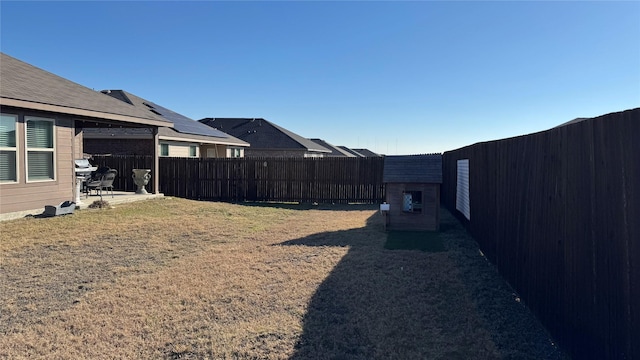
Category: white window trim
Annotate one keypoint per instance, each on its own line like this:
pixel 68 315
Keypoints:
pixel 235 152
pixel 15 150
pixel 195 147
pixel 27 148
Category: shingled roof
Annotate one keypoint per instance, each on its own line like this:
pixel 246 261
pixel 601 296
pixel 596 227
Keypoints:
pixel 26 86
pixel 367 153
pixel 413 169
pixel 184 128
pixel 263 134
pixel 351 151
pixel 336 151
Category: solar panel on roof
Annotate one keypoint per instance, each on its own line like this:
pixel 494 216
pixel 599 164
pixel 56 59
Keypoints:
pixel 185 125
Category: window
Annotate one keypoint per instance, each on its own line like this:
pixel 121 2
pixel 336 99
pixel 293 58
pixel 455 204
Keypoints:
pixel 164 149
pixel 193 151
pixel 8 148
pixel 40 149
pixel 412 201
pixel 235 153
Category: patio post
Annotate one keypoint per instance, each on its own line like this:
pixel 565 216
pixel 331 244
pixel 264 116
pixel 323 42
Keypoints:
pixel 155 168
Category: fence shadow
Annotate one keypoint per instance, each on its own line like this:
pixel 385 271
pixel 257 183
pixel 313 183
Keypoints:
pixel 405 304
pixel 310 206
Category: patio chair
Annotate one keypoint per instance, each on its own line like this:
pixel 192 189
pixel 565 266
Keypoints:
pixel 105 182
pixel 94 180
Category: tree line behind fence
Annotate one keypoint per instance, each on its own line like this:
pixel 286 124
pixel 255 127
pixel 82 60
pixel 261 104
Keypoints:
pixel 558 212
pixel 322 180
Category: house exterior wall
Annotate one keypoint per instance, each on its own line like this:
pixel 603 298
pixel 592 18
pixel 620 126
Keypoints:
pixel 180 149
pixel 221 151
pixel 213 151
pixel 234 152
pixel 25 196
pixel 313 154
pixel 145 147
pixel 427 220
pixel 78 146
pixel 254 152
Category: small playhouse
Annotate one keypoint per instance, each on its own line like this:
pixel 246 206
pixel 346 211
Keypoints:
pixel 412 188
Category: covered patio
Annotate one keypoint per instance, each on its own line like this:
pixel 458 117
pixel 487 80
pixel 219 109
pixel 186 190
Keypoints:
pixel 42 123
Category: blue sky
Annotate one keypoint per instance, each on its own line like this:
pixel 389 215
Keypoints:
pixel 393 77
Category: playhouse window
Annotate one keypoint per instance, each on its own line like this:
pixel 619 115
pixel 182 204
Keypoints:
pixel 412 201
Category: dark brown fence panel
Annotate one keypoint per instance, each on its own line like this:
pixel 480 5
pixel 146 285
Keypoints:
pixel 125 164
pixel 324 180
pixel 558 212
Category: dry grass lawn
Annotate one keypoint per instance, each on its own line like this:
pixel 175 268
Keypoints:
pixel 180 279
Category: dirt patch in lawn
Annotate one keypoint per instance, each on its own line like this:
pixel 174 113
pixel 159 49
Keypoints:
pixel 174 278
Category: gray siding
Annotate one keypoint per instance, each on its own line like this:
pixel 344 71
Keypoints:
pixel 23 196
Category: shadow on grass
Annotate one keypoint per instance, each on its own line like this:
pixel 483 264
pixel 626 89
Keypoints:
pixel 311 206
pixel 429 241
pixel 409 304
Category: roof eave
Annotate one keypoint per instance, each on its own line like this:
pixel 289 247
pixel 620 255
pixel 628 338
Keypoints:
pixel 202 141
pixel 82 112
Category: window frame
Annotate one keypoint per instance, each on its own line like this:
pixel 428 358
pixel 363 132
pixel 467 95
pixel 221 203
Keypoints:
pixel 195 150
pixel 236 152
pixel 164 146
pixel 13 149
pixel 28 149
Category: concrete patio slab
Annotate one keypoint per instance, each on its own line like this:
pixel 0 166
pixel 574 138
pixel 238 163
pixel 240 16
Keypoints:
pixel 118 197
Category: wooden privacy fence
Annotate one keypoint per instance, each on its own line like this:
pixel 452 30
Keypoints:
pixel 125 164
pixel 322 180
pixel 558 212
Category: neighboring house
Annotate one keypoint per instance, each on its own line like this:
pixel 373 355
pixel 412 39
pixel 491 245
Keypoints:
pixel 41 133
pixel 412 190
pixel 335 150
pixel 351 151
pixel 187 138
pixel 367 153
pixel 576 120
pixel 266 138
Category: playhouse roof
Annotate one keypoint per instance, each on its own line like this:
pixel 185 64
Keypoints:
pixel 413 169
